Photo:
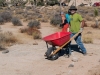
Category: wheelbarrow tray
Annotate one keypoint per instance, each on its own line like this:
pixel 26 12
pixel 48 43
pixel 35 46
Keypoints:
pixel 57 39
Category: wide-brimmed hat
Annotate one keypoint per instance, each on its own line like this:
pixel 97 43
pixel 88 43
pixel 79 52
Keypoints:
pixel 72 8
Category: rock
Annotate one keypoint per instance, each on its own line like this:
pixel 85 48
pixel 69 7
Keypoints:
pixel 99 60
pixel 35 43
pixel 74 59
pixel 5 51
pixel 71 65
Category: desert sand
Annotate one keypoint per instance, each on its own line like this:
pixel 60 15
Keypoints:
pixel 28 59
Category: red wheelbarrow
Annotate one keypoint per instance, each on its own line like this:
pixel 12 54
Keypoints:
pixel 60 39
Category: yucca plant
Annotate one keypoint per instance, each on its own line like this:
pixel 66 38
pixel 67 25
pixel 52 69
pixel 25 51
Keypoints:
pixel 96 17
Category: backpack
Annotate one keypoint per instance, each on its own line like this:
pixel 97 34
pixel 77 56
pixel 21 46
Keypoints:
pixel 68 18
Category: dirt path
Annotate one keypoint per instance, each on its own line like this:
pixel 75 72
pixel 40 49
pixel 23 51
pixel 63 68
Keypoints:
pixel 28 59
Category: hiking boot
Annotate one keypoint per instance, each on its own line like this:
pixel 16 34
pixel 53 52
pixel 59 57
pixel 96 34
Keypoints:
pixel 85 54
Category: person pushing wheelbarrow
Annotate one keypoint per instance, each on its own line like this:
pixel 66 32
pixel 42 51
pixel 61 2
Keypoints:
pixel 63 39
pixel 77 25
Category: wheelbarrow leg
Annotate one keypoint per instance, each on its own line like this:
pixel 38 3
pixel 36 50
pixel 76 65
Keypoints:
pixel 47 45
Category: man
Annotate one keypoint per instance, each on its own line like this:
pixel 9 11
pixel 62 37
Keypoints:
pixel 76 25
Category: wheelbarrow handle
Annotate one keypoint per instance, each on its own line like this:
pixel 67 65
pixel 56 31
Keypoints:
pixel 65 44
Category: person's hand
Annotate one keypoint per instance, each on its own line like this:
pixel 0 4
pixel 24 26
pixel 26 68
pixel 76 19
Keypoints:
pixel 81 30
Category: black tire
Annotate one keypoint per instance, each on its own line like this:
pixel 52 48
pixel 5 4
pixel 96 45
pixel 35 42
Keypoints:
pixel 53 57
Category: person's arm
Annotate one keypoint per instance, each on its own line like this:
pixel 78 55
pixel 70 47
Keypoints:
pixel 82 23
pixel 63 18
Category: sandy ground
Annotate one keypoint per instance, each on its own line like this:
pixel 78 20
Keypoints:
pixel 28 59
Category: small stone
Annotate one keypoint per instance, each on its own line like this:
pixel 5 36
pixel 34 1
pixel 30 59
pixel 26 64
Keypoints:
pixel 99 60
pixel 5 51
pixel 35 43
pixel 71 65
pixel 75 59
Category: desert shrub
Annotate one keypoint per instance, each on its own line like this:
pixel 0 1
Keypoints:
pixel 88 38
pixel 6 16
pixel 88 18
pixel 1 20
pixel 3 3
pixel 20 3
pixel 28 7
pixel 96 12
pixel 24 30
pixel 29 17
pixel 43 20
pixel 56 20
pixel 19 11
pixel 94 26
pixel 16 21
pixel 36 34
pixel 7 38
pixel 34 24
pixel 40 3
pixel 52 2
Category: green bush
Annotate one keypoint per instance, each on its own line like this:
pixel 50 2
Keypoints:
pixel 56 20
pixel 96 12
pixel 16 21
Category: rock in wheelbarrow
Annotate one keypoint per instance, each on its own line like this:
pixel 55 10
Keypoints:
pixel 53 57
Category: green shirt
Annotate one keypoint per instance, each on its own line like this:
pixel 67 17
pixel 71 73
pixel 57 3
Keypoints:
pixel 75 22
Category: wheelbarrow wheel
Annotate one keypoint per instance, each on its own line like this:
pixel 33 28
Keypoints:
pixel 53 57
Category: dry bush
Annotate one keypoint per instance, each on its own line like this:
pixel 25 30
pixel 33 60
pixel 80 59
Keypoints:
pixel 95 26
pixel 43 19
pixel 19 11
pixel 7 38
pixel 88 38
pixel 1 20
pixel 25 20
pixel 24 30
pixel 16 21
pixel 88 18
pixel 31 31
pixel 30 17
pixel 56 20
pixel 34 24
pixel 19 16
pixel 7 16
pixel 36 34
